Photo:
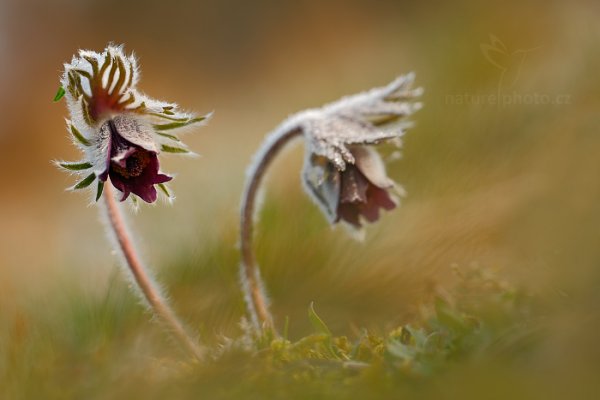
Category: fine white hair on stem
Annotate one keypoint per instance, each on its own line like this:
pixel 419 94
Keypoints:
pixel 121 133
pixel 247 283
pixel 331 134
pixel 252 285
pixel 107 222
pixel 143 282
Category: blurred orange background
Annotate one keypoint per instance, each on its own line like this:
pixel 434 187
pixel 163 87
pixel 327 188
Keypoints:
pixel 513 187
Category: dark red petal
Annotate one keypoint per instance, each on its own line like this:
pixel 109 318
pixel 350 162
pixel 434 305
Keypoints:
pixel 119 183
pixel 143 184
pixel 370 211
pixel 135 170
pixel 349 212
pixel 377 198
pixel 382 198
pixel 354 185
pixel 359 196
pixel 146 193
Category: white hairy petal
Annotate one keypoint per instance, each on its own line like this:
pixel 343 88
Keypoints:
pixel 136 131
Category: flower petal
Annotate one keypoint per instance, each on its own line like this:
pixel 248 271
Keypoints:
pixel 354 186
pixel 135 131
pixel 141 185
pixel 378 198
pixel 369 162
pixel 359 195
pixel 349 213
pixel 119 182
pixel 322 180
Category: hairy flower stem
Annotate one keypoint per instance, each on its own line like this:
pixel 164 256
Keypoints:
pixel 145 283
pixel 256 300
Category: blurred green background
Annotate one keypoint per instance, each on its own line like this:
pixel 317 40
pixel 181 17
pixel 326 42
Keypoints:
pixel 512 187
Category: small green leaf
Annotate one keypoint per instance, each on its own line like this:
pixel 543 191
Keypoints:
pixel 171 149
pixel 169 136
pixel 112 72
pixel 163 188
pixel 129 100
pixel 448 317
pixel 84 74
pixel 73 166
pixel 72 86
pixel 105 64
pixel 99 190
pixel 322 328
pixel 179 124
pixel 316 321
pixel 86 112
pixel 178 119
pixel 86 182
pixel 94 63
pixel 141 107
pixel 79 137
pixel 59 94
pixel 122 73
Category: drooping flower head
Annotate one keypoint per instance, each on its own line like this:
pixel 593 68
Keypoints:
pixel 120 130
pixel 343 173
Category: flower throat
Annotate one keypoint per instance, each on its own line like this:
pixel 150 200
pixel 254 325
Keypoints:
pixel 134 164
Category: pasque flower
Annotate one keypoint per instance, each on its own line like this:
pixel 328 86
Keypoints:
pixel 121 131
pixel 343 173
pixel 358 192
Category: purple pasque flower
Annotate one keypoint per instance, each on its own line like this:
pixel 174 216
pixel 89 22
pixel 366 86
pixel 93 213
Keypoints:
pixel 364 188
pixel 132 161
pixel 355 194
pixel 121 131
pixel 343 173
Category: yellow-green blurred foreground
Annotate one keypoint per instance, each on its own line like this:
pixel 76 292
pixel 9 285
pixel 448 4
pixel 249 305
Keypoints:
pixel 501 170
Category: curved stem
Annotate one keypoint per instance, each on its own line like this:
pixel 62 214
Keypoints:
pixel 150 292
pixel 256 300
